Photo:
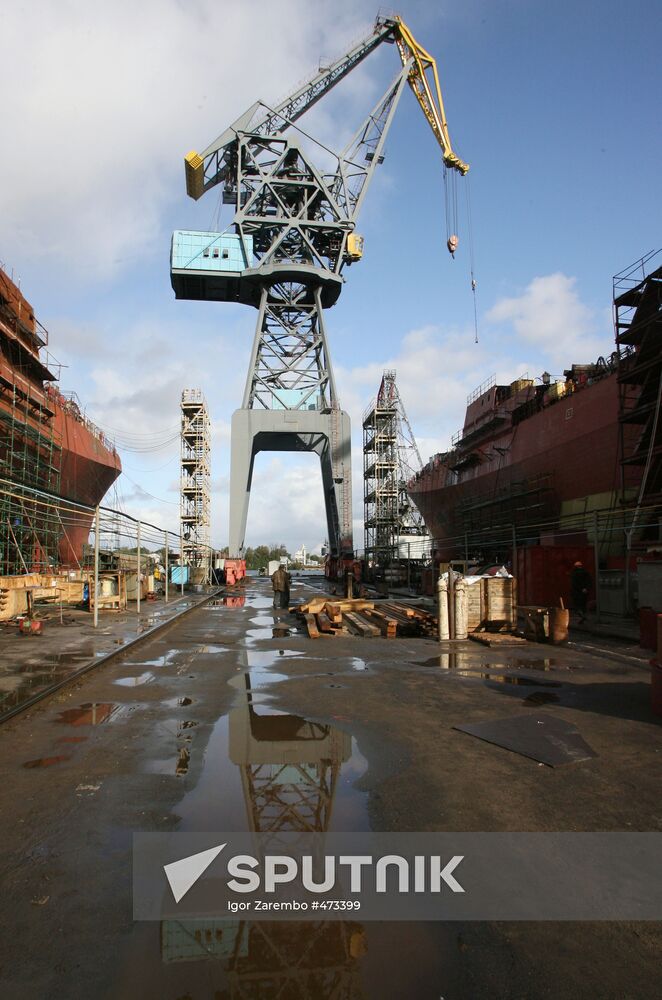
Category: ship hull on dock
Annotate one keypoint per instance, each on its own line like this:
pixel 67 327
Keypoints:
pixel 524 473
pixel 48 449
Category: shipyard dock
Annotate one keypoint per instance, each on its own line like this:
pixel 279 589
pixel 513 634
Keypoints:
pixel 170 734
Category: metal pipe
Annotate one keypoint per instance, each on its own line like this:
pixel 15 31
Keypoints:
pixel 96 568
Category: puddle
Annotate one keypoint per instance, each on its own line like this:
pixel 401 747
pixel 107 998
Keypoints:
pixel 46 761
pixel 258 601
pixel 496 678
pixel 183 761
pixel 257 680
pixel 238 601
pixel 211 648
pixel 463 663
pixel 145 678
pixel 540 698
pixel 358 664
pixel 271 771
pixel 256 633
pixel 268 657
pixel 158 661
pixel 91 714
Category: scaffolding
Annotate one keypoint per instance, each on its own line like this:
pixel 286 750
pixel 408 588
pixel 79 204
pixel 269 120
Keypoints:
pixel 30 456
pixel 638 323
pixel 390 459
pixel 195 488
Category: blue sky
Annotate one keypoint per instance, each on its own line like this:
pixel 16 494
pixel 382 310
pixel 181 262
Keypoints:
pixel 555 106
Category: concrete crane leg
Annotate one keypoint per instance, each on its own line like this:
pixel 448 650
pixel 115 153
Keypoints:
pixel 326 434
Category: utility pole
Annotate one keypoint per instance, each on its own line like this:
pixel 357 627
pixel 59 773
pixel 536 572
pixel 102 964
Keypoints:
pixel 165 534
pixel 138 573
pixel 96 568
pixel 181 557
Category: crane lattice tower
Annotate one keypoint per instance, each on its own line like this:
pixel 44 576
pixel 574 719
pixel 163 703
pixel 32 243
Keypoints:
pixel 284 253
pixel 195 481
pixel 390 459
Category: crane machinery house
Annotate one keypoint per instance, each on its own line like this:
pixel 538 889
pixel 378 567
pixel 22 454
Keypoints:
pixel 197 257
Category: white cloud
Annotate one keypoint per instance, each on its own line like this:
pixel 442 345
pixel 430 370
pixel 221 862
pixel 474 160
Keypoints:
pixel 102 101
pixel 550 316
pixel 435 370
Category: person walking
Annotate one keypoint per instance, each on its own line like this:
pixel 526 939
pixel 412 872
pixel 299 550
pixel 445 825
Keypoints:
pixel 281 581
pixel 580 585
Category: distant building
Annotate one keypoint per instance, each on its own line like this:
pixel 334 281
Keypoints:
pixel 300 556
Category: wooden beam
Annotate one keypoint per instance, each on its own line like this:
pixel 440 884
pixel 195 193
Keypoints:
pixel 324 625
pixel 357 604
pixel 387 626
pixel 332 614
pixel 359 626
pixel 311 625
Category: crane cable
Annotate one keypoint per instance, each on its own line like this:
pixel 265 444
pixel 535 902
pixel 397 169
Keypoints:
pixel 450 205
pixel 471 259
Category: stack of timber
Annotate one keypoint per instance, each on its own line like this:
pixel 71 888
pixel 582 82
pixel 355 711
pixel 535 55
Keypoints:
pixel 326 617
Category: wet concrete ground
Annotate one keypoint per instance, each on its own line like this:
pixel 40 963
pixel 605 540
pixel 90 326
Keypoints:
pixel 165 739
pixel 33 663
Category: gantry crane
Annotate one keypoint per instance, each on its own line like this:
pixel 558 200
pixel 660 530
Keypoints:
pixel 292 234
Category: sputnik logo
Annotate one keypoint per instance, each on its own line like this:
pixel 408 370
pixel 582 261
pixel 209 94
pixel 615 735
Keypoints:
pixel 182 875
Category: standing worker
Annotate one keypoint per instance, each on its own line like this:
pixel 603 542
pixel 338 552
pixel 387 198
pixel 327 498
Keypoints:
pixel 281 581
pixel 580 585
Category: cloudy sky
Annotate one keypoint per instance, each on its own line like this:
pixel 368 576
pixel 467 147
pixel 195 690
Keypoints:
pixel 556 109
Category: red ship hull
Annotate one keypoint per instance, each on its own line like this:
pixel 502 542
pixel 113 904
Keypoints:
pixel 46 445
pixel 523 474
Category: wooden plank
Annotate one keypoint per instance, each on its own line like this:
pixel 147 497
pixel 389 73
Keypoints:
pixel 357 604
pixel 400 610
pixel 387 626
pixel 364 616
pixel 313 606
pixel 311 625
pixel 497 639
pixel 332 614
pixel 359 625
pixel 324 625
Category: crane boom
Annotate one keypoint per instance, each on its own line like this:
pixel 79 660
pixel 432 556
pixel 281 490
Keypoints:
pixel 429 97
pixel 205 170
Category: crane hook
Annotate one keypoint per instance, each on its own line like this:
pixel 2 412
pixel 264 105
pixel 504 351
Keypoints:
pixel 452 244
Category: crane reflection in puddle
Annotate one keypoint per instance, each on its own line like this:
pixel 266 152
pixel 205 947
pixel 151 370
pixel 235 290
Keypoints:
pixel 289 769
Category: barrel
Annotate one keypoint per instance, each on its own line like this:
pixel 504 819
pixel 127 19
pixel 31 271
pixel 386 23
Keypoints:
pixel 559 619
